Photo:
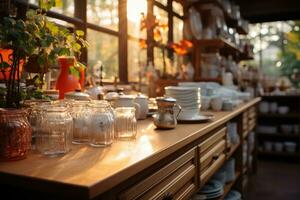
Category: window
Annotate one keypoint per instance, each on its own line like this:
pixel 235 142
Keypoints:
pixel 103 13
pixel 104 23
pixel 66 7
pixel 103 49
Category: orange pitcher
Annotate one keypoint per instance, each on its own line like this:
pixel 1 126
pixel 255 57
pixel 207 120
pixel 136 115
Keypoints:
pixel 67 82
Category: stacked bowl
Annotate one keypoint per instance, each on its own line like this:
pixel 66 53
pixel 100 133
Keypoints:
pixel 188 98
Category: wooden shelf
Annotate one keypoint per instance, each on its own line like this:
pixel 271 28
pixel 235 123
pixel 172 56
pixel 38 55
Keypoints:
pixel 226 48
pixel 281 154
pixel 232 150
pixel 218 80
pixel 244 56
pixel 277 115
pixel 229 185
pixel 241 30
pixel 280 96
pixel 279 135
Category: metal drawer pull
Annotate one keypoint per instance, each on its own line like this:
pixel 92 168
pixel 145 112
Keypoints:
pixel 215 157
pixel 167 196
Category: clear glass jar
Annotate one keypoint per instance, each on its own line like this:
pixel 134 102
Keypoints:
pixel 35 109
pixel 125 123
pixel 210 65
pixel 101 124
pixel 15 134
pixel 55 135
pixel 79 113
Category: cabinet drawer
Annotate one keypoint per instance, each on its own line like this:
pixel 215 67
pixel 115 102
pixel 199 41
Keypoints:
pixel 176 179
pixel 212 155
pixel 209 172
pixel 252 124
pixel 211 141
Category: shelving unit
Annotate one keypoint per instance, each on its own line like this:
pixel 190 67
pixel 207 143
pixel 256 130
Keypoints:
pixel 242 171
pixel 276 120
pixel 221 45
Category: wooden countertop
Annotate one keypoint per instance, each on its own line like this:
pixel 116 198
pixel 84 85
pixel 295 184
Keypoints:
pixel 91 171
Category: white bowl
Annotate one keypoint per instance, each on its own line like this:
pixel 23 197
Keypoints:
pixel 264 107
pixel 283 110
pixel 290 147
pixel 286 128
pixel 278 146
pixel 268 146
pixel 216 103
pixel 205 103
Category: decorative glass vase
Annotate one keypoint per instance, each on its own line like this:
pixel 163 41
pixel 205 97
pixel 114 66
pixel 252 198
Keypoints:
pixel 15 134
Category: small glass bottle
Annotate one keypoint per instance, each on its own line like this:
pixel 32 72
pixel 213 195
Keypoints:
pixel 101 124
pixel 80 124
pixel 55 135
pixel 125 123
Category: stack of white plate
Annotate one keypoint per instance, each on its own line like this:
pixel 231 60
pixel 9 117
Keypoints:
pixel 188 98
pixel 211 190
pixel 233 195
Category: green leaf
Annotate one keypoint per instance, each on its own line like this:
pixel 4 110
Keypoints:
pixel 4 65
pixel 58 3
pixel 79 33
pixel 74 71
pixel 76 47
pixel 52 27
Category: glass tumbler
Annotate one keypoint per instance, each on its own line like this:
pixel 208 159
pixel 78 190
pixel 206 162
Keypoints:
pixel 55 135
pixel 79 113
pixel 125 123
pixel 100 124
pixel 35 110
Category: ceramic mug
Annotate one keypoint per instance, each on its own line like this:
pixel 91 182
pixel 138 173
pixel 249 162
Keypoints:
pixel 142 100
pixel 216 103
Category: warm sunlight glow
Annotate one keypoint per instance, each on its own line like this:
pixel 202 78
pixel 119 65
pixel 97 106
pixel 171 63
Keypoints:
pixel 135 8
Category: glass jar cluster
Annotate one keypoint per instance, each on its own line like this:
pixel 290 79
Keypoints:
pixel 56 125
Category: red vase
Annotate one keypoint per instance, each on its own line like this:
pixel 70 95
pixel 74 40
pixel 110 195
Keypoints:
pixel 66 82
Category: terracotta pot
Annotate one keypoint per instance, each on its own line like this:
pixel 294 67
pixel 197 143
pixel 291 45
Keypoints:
pixel 15 134
pixel 67 82
pixel 6 56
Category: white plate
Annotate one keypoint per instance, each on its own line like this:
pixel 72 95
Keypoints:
pixel 196 23
pixel 197 118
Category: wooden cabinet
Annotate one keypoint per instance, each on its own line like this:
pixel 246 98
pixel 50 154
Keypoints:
pixel 211 154
pixel 170 164
pixel 176 180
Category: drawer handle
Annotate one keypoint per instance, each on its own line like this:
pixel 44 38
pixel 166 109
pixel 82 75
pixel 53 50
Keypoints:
pixel 216 156
pixel 167 196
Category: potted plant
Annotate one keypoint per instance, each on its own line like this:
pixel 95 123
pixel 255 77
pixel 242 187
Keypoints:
pixel 35 40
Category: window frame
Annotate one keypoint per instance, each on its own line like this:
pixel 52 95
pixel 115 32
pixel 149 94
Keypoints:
pixel 79 21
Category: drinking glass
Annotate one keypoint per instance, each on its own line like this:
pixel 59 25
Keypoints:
pixel 125 123
pixel 100 124
pixel 79 112
pixel 55 135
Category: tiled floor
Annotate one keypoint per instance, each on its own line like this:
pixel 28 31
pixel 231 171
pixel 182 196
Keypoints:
pixel 275 181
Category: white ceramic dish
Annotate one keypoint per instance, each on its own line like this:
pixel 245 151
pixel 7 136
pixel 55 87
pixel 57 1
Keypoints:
pixel 283 110
pixel 195 23
pixel 200 118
